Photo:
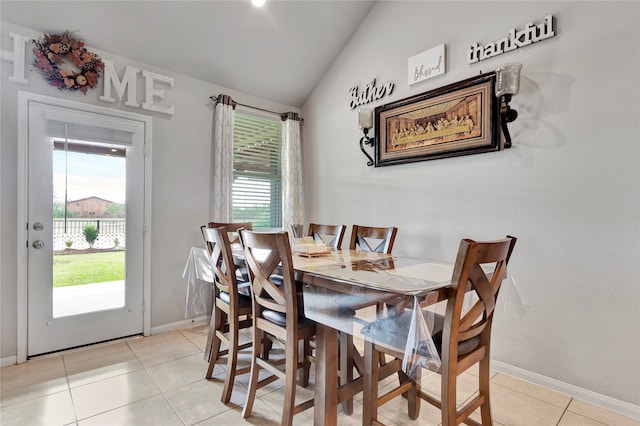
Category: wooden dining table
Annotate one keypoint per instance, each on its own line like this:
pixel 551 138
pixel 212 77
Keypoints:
pixel 343 291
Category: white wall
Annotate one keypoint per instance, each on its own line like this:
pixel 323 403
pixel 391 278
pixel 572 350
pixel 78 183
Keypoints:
pixel 569 189
pixel 181 178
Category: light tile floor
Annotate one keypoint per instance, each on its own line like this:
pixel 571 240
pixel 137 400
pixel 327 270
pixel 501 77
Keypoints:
pixel 158 381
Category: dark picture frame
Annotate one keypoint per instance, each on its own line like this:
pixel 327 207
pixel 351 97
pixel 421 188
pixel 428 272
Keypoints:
pixel 458 119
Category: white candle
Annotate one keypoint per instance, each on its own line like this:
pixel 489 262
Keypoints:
pixel 365 119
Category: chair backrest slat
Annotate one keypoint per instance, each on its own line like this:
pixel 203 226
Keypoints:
pixel 222 265
pixel 232 229
pixel 469 275
pixel 266 293
pixel 318 231
pixel 218 238
pixel 232 234
pixel 360 236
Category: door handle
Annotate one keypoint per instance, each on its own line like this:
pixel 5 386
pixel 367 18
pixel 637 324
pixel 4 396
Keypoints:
pixel 38 244
pixel 38 226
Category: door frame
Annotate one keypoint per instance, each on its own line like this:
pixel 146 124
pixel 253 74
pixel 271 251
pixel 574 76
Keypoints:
pixel 22 208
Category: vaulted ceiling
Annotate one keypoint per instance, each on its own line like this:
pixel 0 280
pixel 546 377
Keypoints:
pixel 278 52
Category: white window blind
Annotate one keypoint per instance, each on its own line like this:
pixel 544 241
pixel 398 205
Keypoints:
pixel 88 133
pixel 257 171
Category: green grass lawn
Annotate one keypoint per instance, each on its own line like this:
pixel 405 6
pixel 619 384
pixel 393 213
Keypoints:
pixel 78 269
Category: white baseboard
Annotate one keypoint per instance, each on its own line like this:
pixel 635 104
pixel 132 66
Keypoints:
pixel 9 360
pixel 180 324
pixel 586 395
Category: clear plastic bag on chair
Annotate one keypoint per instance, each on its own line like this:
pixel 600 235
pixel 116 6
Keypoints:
pixel 199 278
pixel 420 352
pixel 510 298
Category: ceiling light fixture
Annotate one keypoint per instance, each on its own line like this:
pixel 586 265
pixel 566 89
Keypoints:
pixel 258 3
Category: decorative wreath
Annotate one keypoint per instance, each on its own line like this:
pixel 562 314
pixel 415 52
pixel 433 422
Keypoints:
pixel 50 53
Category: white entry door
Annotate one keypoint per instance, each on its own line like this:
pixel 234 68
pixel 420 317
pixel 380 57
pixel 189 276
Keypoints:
pixel 85 227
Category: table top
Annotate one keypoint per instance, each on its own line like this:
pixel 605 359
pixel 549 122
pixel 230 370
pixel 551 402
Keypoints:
pixel 343 288
pixel 396 274
pixel 353 291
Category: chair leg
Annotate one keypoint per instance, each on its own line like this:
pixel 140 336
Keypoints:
pixel 448 397
pixel 267 344
pixel 485 408
pixel 232 359
pixel 255 370
pixel 382 360
pixel 412 395
pixel 306 364
pixel 213 341
pixel 291 368
pixel 370 385
pixel 212 332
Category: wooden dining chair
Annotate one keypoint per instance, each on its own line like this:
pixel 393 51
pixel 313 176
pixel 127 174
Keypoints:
pixel 276 314
pixel 234 238
pixel 241 267
pixel 363 236
pixel 382 238
pixel 331 235
pixel 231 308
pixel 462 338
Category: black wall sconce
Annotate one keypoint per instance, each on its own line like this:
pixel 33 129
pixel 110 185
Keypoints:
pixel 365 122
pixel 507 85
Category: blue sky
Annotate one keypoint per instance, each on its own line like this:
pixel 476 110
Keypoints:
pixel 89 175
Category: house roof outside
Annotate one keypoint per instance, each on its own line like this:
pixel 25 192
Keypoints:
pixel 88 198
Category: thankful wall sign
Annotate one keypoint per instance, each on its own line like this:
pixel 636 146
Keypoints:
pixel 531 33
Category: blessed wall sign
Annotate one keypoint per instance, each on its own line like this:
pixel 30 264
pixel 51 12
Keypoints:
pixel 531 33
pixel 121 86
pixel 427 64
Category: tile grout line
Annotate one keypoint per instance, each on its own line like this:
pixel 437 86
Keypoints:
pixel 66 376
pixel 161 391
pixel 184 422
pixel 564 411
pixel 97 381
pixel 132 402
pixel 534 397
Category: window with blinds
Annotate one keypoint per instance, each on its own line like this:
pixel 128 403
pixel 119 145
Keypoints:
pixel 257 171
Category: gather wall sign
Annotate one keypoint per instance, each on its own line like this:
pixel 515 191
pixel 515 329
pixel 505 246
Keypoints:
pixel 369 93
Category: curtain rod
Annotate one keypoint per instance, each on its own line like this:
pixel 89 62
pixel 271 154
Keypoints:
pixel 281 114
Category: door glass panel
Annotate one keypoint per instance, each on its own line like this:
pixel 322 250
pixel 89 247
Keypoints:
pixel 89 224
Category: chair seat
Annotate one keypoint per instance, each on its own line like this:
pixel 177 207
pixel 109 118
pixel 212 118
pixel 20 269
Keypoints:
pixel 244 301
pixel 277 279
pixel 281 319
pixel 242 272
pixel 393 331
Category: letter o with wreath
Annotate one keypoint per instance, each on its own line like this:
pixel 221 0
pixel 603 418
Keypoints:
pixel 49 57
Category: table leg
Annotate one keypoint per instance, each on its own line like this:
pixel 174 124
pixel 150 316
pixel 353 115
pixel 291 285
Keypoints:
pixel 325 412
pixel 370 386
pixel 346 367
